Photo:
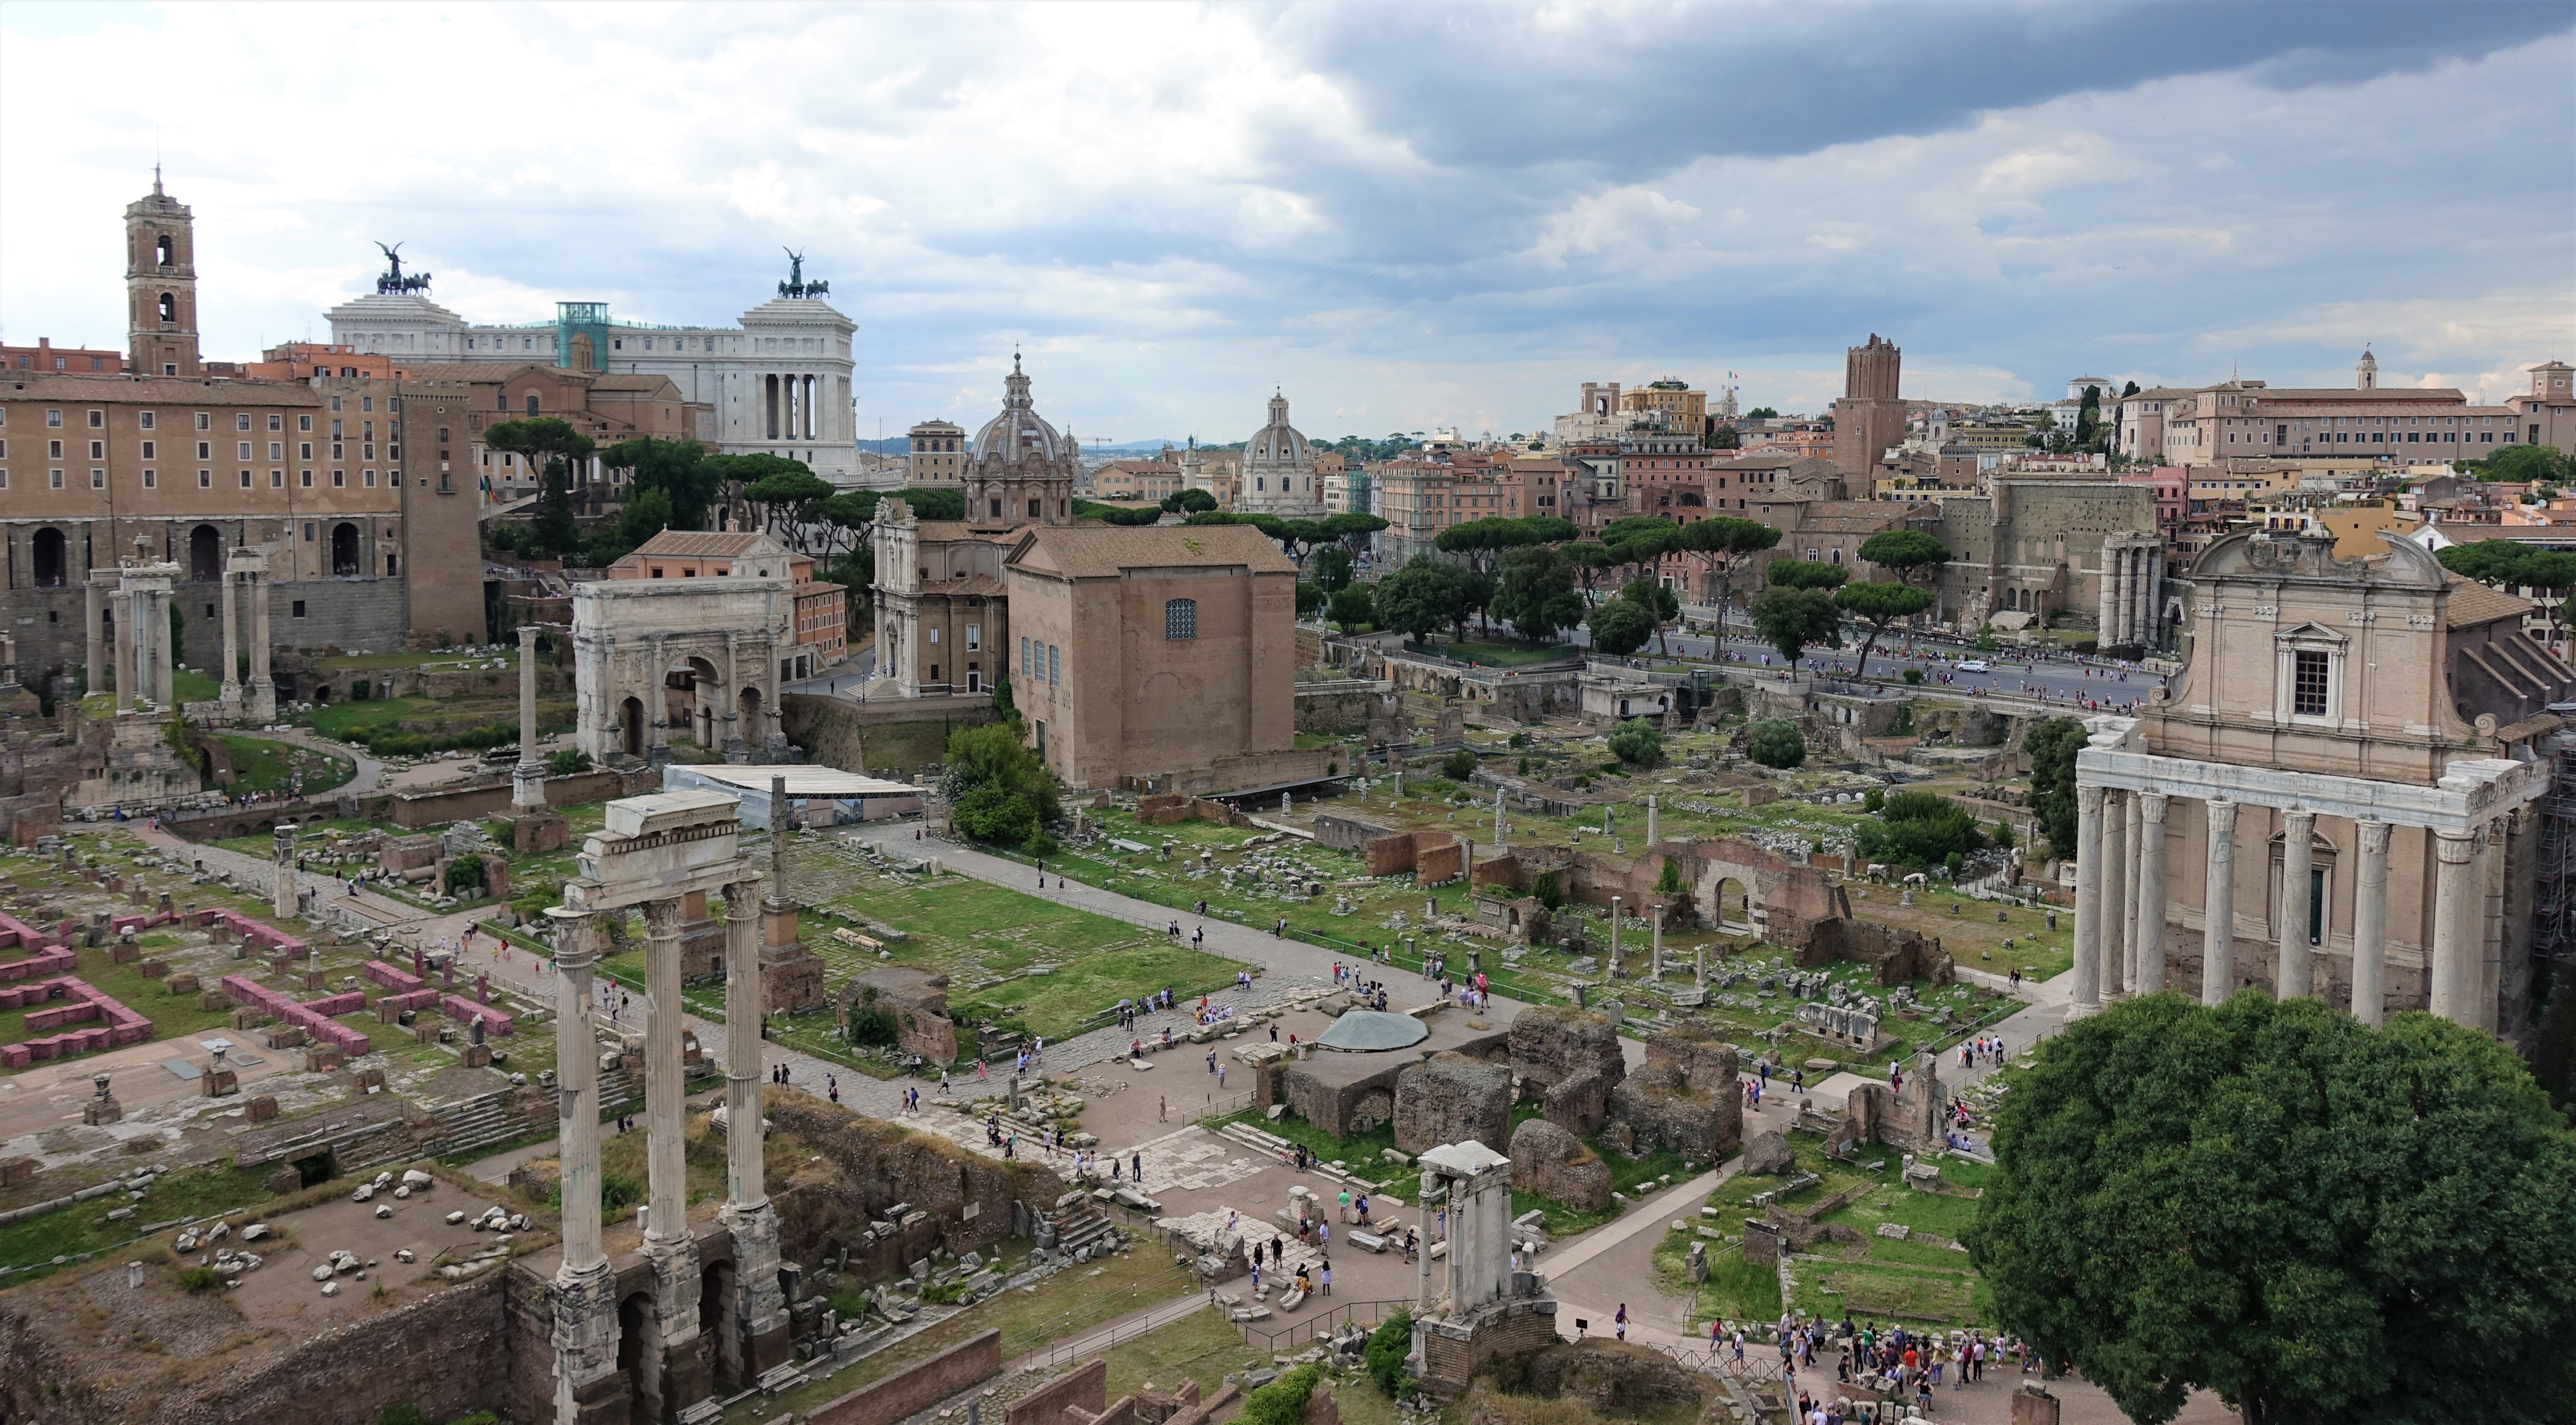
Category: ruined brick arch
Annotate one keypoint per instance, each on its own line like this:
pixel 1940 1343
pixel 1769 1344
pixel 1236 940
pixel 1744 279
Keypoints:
pixel 1375 1108
pixel 1731 904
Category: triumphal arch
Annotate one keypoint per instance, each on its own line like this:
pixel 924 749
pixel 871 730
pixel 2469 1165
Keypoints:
pixel 655 852
pixel 656 659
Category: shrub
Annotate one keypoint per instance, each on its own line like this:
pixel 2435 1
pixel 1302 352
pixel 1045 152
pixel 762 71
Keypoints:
pixel 1872 800
pixel 1283 1401
pixel 1638 741
pixel 463 873
pixel 1524 767
pixel 1458 766
pixel 870 1025
pixel 1921 829
pixel 401 1412
pixel 1914 676
pixel 1387 1347
pixel 1040 845
pixel 991 814
pixel 200 1279
pixel 1545 891
pixel 1520 739
pixel 568 762
pixel 1776 742
pixel 1670 882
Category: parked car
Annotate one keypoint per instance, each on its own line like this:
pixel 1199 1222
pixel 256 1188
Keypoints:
pixel 1975 665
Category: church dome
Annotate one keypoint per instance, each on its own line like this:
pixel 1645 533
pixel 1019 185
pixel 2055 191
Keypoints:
pixel 1278 443
pixel 1019 433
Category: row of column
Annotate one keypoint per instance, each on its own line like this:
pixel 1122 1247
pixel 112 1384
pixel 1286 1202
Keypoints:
pixel 789 406
pixel 2132 571
pixel 2120 907
pixel 678 1377
pixel 253 698
pixel 146 660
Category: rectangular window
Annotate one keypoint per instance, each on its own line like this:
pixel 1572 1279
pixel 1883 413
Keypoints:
pixel 1055 664
pixel 98 450
pixel 368 478
pixel 304 423
pixel 148 481
pixel 54 418
pixel 2308 685
pixel 339 479
pixel 974 637
pixel 205 479
pixel 205 421
pixel 245 479
pixel 143 420
pixel 305 479
pixel 97 479
pixel 299 608
pixel 276 421
pixel 1024 655
pixel 57 479
pixel 241 420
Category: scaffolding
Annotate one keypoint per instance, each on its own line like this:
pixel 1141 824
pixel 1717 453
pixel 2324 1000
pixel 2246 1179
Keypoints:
pixel 2553 909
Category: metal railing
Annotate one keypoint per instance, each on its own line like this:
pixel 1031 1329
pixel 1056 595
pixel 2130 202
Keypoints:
pixel 1219 1109
pixel 1153 1289
pixel 1366 1313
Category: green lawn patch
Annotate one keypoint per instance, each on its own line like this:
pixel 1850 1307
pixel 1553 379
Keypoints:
pixel 1067 1000
pixel 1362 1154
pixel 1511 655
pixel 1735 1288
pixel 28 1248
pixel 172 1016
pixel 263 764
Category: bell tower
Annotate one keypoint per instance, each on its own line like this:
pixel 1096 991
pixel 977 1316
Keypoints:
pixel 2365 376
pixel 161 283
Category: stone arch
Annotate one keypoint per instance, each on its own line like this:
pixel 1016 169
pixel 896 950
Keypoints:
pixel 1733 905
pixel 716 1322
pixel 636 1323
pixel 52 555
pixel 344 549
pixel 692 693
pixel 205 555
pixel 748 704
pixel 630 723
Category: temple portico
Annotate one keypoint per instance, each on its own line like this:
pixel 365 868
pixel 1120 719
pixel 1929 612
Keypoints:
pixel 2342 797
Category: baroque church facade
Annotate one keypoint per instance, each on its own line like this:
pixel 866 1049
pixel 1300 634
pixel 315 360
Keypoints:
pixel 1278 476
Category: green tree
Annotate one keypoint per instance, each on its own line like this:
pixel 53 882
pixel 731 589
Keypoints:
pixel 1310 600
pixel 677 468
pixel 551 444
pixel 2051 747
pixel 645 516
pixel 1417 598
pixel 1879 605
pixel 1188 502
pixel 2318 1220
pixel 1919 829
pixel 1458 766
pixel 1535 593
pixel 1669 881
pixel 1353 608
pixel 993 755
pixel 1637 742
pixel 786 497
pixel 1762 413
pixel 1475 594
pixel 1776 742
pixel 1545 890
pixel 1662 603
pixel 1723 543
pixel 1805 574
pixel 1915 557
pixel 1332 568
pixel 934 502
pixel 2528 464
pixel 1794 620
pixel 991 814
pixel 1620 627
pixel 1589 558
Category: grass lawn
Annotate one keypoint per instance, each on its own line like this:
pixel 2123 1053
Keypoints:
pixel 263 765
pixel 1511 655
pixel 1069 999
pixel 172 1016
pixel 1202 1346
pixel 1735 1290
pixel 336 719
pixel 1361 1153
pixel 29 1247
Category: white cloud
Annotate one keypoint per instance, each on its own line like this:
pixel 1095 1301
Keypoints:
pixel 1415 217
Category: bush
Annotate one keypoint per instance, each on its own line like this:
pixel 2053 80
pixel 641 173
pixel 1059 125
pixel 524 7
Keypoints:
pixel 1638 742
pixel 1040 845
pixel 871 1026
pixel 201 1279
pixel 1524 767
pixel 1458 766
pixel 1914 676
pixel 1544 889
pixel 1283 1401
pixel 1387 1347
pixel 1670 882
pixel 401 1412
pixel 1872 800
pixel 995 816
pixel 1921 829
pixel 1776 742
pixel 569 762
pixel 464 873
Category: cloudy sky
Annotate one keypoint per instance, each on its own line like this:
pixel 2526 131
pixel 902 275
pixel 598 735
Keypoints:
pixel 1404 215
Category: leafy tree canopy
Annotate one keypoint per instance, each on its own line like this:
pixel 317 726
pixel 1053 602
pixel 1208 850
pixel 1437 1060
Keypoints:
pixel 1353 606
pixel 1620 627
pixel 1188 502
pixel 2520 464
pixel 1776 743
pixel 1919 829
pixel 1332 568
pixel 1417 598
pixel 1535 592
pixel 1806 574
pixel 1879 605
pixel 2320 1221
pixel 1762 413
pixel 2051 747
pixel 677 468
pixel 1637 742
pixel 1794 620
pixel 1910 552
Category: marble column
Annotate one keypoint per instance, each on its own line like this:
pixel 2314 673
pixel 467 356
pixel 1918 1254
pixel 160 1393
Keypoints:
pixel 2293 963
pixel 731 742
pixel 2134 911
pixel 2457 898
pixel 2370 925
pixel 1653 831
pixel 528 779
pixel 124 606
pixel 165 664
pixel 681 1378
pixel 94 641
pixel 2088 900
pixel 2115 893
pixel 588 1385
pixel 282 889
pixel 2218 905
pixel 262 693
pixel 2107 605
pixel 232 684
pixel 759 1306
pixel 1614 937
pixel 2148 973
pixel 2490 962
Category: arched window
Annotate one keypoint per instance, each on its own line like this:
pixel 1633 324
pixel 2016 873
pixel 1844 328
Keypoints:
pixel 161 249
pixel 344 550
pixel 52 559
pixel 1181 618
pixel 169 306
pixel 532 407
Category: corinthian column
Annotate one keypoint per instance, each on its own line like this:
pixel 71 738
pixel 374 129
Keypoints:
pixel 2370 925
pixel 232 685
pixel 93 641
pixel 759 1305
pixel 528 779
pixel 2133 912
pixel 2218 906
pixel 681 1380
pixel 2456 902
pixel 124 606
pixel 2113 923
pixel 2149 976
pixel 588 1384
pixel 2088 900
pixel 2290 937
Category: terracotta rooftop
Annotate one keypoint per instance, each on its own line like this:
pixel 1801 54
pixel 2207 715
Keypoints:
pixel 2473 603
pixel 1104 551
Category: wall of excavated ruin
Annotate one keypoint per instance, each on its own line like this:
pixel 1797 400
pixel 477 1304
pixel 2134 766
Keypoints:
pixel 867 1165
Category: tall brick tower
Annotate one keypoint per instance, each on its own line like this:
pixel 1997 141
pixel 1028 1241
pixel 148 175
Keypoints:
pixel 161 283
pixel 1870 417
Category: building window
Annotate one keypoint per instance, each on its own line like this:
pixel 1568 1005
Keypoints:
pixel 1024 655
pixel 1055 664
pixel 148 481
pixel 1181 618
pixel 299 608
pixel 2308 684
pixel 205 479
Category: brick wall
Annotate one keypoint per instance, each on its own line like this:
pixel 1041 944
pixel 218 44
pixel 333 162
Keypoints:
pixel 1085 1389
pixel 347 1376
pixel 918 1388
pixel 1449 1362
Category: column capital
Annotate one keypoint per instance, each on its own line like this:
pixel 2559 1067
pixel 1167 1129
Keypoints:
pixel 528 634
pixel 2088 799
pixel 2374 835
pixel 2300 819
pixel 2456 848
pixel 2151 805
pixel 662 918
pixel 2222 816
pixel 742 896
pixel 576 937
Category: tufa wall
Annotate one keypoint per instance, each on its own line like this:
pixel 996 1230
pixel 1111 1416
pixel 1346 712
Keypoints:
pixel 916 1388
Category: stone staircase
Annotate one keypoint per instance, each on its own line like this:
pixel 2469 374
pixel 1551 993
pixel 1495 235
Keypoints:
pixel 489 1120
pixel 1272 1145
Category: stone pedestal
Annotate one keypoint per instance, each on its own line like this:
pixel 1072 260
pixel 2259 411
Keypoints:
pixel 589 1388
